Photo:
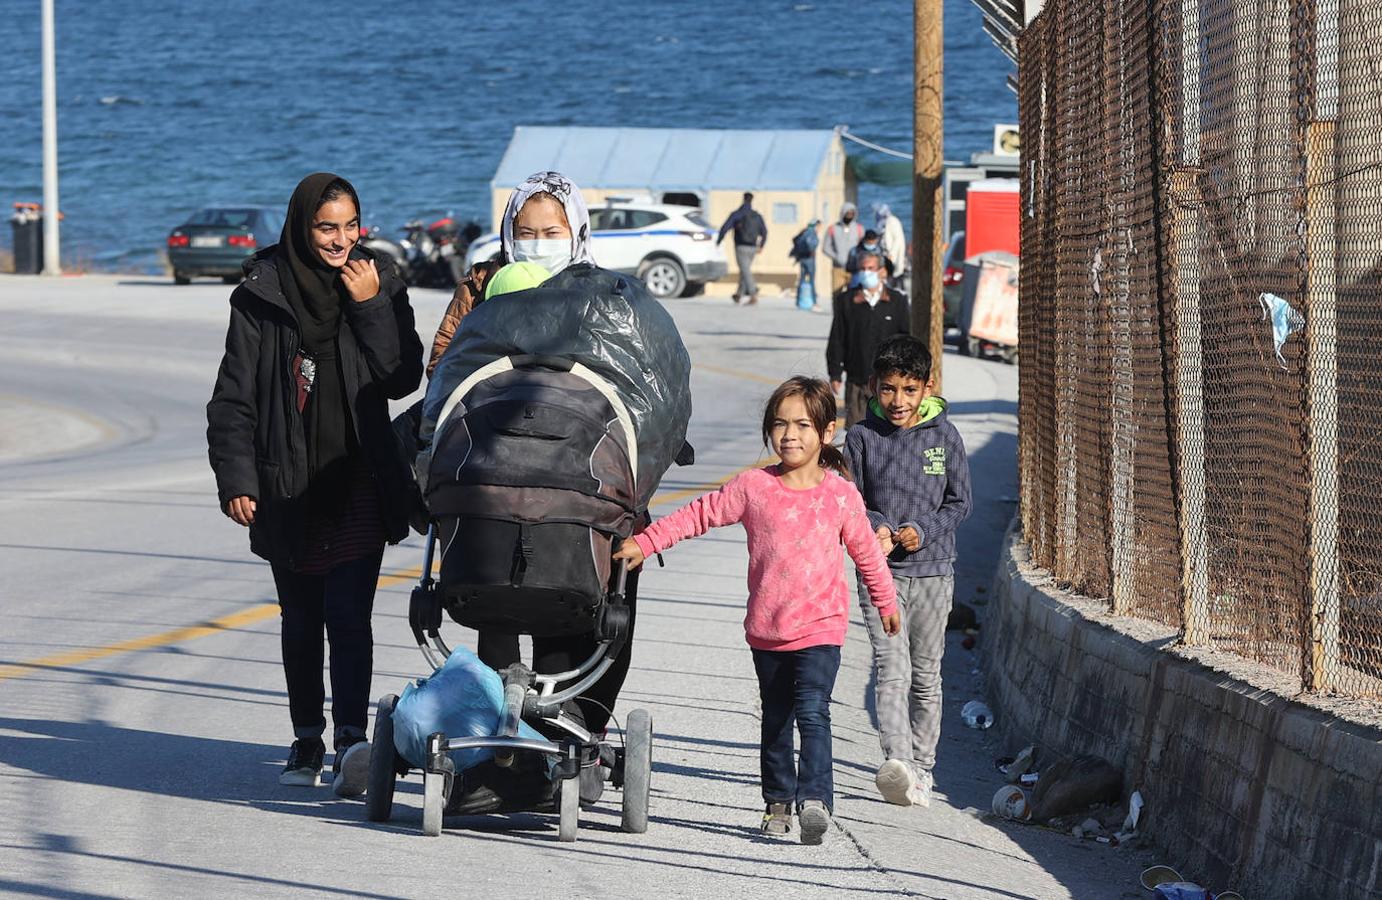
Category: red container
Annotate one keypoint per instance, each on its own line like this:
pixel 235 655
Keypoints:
pixel 992 216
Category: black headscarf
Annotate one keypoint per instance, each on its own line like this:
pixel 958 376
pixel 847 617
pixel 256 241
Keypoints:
pixel 317 293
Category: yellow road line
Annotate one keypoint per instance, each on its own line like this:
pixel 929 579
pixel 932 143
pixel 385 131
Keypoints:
pixel 257 613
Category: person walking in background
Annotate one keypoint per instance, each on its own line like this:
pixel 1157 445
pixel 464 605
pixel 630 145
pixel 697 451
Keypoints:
pixel 871 242
pixel 750 233
pixel 893 241
pixel 840 238
pixel 804 252
pixel 797 514
pixel 912 470
pixel 321 337
pixel 864 314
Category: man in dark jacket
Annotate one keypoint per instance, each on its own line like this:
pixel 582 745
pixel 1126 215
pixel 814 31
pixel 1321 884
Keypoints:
pixel 866 313
pixel 750 233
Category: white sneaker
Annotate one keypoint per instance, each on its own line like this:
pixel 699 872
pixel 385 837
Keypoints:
pixel 895 781
pixel 920 794
pixel 814 821
pixel 352 770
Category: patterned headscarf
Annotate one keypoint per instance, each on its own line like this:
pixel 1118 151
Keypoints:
pixel 564 190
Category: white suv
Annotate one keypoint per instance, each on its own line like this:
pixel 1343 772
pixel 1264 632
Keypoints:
pixel 672 248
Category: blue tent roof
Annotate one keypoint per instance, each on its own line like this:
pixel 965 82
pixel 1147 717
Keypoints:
pixel 667 159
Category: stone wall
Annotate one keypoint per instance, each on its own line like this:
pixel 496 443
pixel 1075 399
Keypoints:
pixel 1244 788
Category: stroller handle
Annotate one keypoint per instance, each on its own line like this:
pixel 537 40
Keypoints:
pixel 528 360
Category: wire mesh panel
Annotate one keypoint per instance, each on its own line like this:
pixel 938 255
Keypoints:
pixel 1201 313
pixel 1349 71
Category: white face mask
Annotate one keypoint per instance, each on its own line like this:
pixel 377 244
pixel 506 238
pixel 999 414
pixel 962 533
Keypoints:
pixel 552 255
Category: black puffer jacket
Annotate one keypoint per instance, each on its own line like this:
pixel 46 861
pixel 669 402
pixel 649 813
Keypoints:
pixel 254 431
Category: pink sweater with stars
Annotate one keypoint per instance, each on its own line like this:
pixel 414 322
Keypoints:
pixel 797 592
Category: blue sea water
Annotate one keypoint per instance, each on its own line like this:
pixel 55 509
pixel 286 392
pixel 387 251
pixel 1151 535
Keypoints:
pixel 166 106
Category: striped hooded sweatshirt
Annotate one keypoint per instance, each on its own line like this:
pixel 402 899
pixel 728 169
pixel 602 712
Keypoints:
pixel 916 475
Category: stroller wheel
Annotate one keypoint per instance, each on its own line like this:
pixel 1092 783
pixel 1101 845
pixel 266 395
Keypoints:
pixel 638 770
pixel 382 769
pixel 433 801
pixel 570 809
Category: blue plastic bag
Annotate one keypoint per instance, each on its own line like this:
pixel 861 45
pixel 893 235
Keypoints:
pixel 464 698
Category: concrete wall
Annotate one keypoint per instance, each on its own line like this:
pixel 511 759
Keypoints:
pixel 1244 788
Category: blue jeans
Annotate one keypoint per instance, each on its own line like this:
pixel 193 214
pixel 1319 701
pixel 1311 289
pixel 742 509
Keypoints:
pixel 795 685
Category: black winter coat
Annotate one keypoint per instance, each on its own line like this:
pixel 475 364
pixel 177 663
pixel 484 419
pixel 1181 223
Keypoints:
pixel 254 430
pixel 857 330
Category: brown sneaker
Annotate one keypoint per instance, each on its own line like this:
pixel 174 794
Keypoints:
pixel 777 819
pixel 753 298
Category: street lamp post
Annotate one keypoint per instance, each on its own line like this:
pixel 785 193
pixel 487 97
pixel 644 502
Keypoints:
pixel 51 256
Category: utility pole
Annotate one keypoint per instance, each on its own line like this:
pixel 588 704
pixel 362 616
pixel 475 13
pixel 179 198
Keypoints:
pixel 928 159
pixel 51 257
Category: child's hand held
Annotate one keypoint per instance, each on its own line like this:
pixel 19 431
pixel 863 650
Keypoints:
pixel 909 539
pixel 630 552
pixel 885 539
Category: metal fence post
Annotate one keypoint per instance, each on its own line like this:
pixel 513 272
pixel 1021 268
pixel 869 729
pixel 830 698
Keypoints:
pixel 1122 428
pixel 1188 368
pixel 1321 336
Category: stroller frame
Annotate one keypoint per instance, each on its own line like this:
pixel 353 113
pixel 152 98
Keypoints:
pixel 528 696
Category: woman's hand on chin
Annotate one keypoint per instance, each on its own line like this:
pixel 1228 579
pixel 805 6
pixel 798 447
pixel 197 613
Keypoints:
pixel 361 279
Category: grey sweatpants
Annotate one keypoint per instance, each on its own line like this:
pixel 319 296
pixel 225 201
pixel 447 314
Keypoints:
pixel 907 667
pixel 744 254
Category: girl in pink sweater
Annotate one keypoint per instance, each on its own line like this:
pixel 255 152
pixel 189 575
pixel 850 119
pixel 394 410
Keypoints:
pixel 797 514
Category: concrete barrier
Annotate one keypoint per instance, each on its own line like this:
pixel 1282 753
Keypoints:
pixel 1244 788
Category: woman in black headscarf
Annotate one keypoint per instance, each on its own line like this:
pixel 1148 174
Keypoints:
pixel 321 337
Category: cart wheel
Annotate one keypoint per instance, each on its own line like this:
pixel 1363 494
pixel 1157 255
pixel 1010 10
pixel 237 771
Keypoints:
pixel 433 801
pixel 382 771
pixel 638 770
pixel 570 790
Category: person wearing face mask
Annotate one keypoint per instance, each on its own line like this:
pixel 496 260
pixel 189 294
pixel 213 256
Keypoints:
pixel 865 313
pixel 321 337
pixel 840 238
pixel 892 239
pixel 871 242
pixel 539 231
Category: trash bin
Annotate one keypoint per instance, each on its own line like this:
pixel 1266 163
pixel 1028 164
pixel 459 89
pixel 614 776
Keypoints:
pixel 27 226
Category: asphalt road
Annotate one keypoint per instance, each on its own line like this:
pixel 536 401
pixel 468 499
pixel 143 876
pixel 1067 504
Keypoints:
pixel 143 719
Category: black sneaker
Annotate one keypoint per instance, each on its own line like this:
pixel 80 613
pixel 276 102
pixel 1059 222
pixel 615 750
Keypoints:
pixel 351 769
pixel 304 766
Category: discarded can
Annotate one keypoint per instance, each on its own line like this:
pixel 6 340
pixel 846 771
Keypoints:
pixel 976 714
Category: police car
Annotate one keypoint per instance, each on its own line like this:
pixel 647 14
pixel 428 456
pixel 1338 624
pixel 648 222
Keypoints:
pixel 672 248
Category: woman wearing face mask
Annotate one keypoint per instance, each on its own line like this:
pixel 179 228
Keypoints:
pixel 546 222
pixel 321 337
pixel 537 227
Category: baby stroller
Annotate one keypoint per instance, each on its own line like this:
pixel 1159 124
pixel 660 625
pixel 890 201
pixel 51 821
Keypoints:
pixel 531 484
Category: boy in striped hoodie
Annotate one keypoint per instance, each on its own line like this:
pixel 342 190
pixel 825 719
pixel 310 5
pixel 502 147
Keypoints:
pixel 909 464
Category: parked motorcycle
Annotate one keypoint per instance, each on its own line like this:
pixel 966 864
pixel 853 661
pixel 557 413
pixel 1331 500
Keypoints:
pixel 428 255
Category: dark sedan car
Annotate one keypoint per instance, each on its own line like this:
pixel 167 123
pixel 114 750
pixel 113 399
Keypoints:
pixel 214 241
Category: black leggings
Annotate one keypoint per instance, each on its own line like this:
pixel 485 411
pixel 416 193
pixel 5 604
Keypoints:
pixel 562 654
pixel 341 601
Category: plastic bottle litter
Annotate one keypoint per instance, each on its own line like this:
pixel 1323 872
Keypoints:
pixel 977 714
pixel 1011 803
pixel 1021 764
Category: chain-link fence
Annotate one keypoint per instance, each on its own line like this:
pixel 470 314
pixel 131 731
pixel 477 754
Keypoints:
pixel 1201 319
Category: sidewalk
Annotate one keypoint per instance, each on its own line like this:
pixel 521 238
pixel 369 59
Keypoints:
pixel 152 769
